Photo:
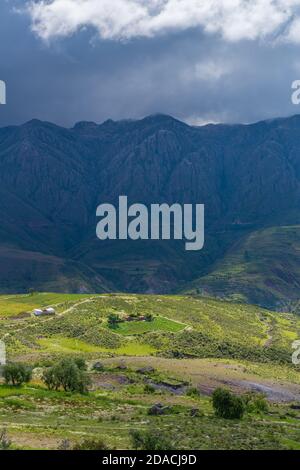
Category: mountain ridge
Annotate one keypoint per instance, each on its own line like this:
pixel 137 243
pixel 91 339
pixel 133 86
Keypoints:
pixel 53 178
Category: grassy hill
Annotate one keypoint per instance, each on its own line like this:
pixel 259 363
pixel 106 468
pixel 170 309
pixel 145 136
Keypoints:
pixel 182 326
pixel 263 268
pixel 192 346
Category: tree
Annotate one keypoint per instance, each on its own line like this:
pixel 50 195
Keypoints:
pixel 17 374
pixel 149 317
pixel 227 405
pixel 150 440
pixel 67 375
pixel 80 362
pixel 50 378
pixel 113 320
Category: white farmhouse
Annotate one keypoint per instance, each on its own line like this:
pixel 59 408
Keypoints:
pixel 37 312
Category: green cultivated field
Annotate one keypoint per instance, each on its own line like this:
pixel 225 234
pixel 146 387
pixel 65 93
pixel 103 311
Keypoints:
pixel 191 342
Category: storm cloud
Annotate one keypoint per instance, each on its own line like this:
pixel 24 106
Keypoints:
pixel 213 61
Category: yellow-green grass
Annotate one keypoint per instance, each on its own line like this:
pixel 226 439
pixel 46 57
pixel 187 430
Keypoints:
pixel 177 322
pixel 140 327
pixel 222 320
pixel 36 418
pixel 118 400
pixel 12 305
pixel 72 345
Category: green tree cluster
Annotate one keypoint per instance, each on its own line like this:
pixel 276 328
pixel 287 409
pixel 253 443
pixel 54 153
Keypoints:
pixel 17 374
pixel 68 374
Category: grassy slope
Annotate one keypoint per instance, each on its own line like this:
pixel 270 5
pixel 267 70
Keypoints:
pixel 222 343
pixel 12 305
pixel 264 268
pixel 39 419
pixel 19 268
pixel 183 326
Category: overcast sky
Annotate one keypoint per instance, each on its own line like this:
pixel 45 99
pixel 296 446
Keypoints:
pixel 199 60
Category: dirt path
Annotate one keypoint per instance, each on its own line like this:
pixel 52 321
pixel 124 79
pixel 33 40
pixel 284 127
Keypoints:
pixel 70 309
pixel 48 319
pixel 270 329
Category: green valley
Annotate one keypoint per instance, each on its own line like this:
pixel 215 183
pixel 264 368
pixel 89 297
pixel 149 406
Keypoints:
pixel 156 368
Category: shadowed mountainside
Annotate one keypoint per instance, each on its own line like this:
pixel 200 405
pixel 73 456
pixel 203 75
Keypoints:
pixel 52 180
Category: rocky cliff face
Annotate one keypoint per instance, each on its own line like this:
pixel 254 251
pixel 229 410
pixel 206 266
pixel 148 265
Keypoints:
pixel 52 180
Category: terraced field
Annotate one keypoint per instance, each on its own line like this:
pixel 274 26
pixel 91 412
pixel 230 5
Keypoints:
pixel 190 343
pixel 181 327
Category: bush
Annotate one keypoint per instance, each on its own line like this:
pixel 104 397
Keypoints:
pixel 255 402
pixel 149 388
pixel 98 366
pixel 5 442
pixel 17 374
pixel 64 445
pixel 150 440
pixel 80 362
pixel 227 405
pixel 149 317
pixel 90 444
pixel 158 409
pixel 113 320
pixel 193 392
pixel 67 375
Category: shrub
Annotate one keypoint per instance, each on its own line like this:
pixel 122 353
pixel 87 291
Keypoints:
pixel 255 402
pixel 227 405
pixel 67 375
pixel 158 409
pixel 17 374
pixel 80 362
pixel 98 366
pixel 149 388
pixel 5 442
pixel 149 317
pixel 64 445
pixel 150 440
pixel 193 392
pixel 113 320
pixel 90 444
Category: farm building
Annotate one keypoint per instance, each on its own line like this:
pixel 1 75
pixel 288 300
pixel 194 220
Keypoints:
pixel 47 311
pixel 135 318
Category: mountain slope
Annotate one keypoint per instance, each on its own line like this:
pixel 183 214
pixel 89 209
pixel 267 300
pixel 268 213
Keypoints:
pixel 262 268
pixel 52 179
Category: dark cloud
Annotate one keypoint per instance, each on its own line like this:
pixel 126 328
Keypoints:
pixel 187 74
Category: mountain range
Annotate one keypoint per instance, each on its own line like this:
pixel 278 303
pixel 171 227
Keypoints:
pixel 248 177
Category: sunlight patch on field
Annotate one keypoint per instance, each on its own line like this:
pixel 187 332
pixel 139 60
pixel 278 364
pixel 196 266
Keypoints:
pixel 71 345
pixel 140 327
pixel 13 305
